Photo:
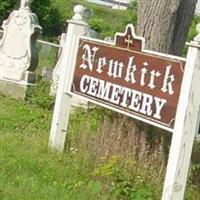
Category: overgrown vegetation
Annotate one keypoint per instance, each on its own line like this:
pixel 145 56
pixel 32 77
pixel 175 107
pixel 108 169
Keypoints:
pixel 105 158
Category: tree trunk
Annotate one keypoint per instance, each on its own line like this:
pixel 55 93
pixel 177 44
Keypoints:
pixel 165 23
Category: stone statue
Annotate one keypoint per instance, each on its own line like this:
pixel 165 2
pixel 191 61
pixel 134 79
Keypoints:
pixel 197 38
pixel 25 4
pixel 56 71
pixel 18 55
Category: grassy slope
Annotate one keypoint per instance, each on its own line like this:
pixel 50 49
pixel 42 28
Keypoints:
pixel 28 170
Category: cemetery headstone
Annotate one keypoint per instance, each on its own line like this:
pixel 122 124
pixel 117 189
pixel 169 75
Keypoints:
pixel 18 54
pixel 56 71
pixel 81 15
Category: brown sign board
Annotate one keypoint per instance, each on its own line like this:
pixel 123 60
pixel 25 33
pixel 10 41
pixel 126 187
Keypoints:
pixel 124 77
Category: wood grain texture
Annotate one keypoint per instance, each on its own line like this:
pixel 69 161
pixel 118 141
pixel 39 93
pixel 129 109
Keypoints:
pixel 165 23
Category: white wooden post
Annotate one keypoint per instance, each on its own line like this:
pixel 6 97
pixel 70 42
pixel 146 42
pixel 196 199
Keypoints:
pixel 76 27
pixel 186 126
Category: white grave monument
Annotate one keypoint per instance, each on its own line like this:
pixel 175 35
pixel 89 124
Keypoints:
pixel 56 71
pixel 81 14
pixel 18 55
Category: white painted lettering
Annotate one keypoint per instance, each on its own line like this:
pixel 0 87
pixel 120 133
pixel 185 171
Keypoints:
pixel 143 74
pixel 93 86
pixel 168 80
pixel 130 77
pixel 84 84
pixel 101 64
pixel 154 74
pixel 159 105
pixel 146 104
pixel 128 98
pixel 104 90
pixel 88 57
pixel 115 69
pixel 126 93
pixel 135 100
pixel 115 96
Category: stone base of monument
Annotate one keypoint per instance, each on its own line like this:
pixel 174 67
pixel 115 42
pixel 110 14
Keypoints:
pixel 16 84
pixel 17 75
pixel 14 89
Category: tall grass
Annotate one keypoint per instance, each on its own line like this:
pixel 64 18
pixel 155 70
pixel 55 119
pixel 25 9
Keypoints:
pixel 123 156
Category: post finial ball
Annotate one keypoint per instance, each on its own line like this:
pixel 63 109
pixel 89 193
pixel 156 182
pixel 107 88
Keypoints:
pixel 78 12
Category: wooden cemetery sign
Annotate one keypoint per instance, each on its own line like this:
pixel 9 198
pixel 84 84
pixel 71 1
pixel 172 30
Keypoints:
pixel 159 89
pixel 126 78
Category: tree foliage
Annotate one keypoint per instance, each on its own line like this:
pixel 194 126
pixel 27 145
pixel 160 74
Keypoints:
pixel 6 7
pixel 49 16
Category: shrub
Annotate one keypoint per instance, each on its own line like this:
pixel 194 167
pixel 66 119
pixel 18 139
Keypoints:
pixel 38 95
